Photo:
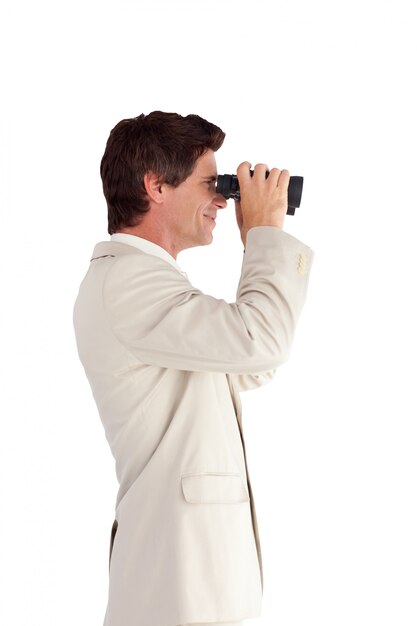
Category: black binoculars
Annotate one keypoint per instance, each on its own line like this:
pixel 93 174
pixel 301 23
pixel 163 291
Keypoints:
pixel 228 186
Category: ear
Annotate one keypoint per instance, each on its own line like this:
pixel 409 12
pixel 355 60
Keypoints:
pixel 153 187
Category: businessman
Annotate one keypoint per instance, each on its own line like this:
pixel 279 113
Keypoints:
pixel 166 363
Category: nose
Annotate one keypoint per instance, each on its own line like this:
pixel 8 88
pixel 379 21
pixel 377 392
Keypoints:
pixel 220 201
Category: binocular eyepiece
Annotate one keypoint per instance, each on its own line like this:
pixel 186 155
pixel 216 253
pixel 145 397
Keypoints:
pixel 228 186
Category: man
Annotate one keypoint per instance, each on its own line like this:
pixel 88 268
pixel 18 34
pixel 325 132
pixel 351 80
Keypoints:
pixel 166 363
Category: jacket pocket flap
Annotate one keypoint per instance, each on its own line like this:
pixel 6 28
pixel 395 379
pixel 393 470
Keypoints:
pixel 214 488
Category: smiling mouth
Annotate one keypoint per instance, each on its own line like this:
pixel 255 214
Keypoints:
pixel 213 219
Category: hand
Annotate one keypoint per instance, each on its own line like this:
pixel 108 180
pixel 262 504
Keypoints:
pixel 264 201
pixel 239 220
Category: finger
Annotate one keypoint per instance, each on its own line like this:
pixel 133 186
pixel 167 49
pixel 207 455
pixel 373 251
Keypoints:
pixel 274 176
pixel 259 172
pixel 283 181
pixel 243 171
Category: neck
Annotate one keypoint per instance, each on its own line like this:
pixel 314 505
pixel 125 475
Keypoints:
pixel 153 235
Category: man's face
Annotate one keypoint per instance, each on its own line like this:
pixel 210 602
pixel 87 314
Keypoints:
pixel 194 204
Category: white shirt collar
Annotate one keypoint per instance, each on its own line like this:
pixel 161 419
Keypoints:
pixel 147 246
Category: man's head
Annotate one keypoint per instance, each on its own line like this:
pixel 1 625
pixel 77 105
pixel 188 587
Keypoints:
pixel 155 172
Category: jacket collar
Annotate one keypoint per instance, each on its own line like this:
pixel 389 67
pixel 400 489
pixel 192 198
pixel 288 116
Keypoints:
pixel 115 248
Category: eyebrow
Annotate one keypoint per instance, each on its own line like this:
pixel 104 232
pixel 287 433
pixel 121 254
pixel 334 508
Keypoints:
pixel 209 177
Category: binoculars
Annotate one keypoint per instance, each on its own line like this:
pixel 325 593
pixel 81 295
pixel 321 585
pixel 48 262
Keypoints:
pixel 228 186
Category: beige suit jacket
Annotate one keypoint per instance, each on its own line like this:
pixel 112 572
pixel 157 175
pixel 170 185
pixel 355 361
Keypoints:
pixel 166 363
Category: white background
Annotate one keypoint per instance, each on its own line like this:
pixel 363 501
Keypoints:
pixel 325 89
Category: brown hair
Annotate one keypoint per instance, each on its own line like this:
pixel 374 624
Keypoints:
pixel 166 144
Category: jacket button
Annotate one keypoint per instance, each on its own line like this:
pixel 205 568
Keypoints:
pixel 302 264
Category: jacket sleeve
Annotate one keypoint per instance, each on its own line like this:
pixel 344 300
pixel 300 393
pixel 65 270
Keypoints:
pixel 245 382
pixel 163 320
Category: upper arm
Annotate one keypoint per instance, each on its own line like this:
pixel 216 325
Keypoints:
pixel 163 320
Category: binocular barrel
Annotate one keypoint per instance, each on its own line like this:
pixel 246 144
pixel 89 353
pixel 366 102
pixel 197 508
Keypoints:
pixel 228 186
